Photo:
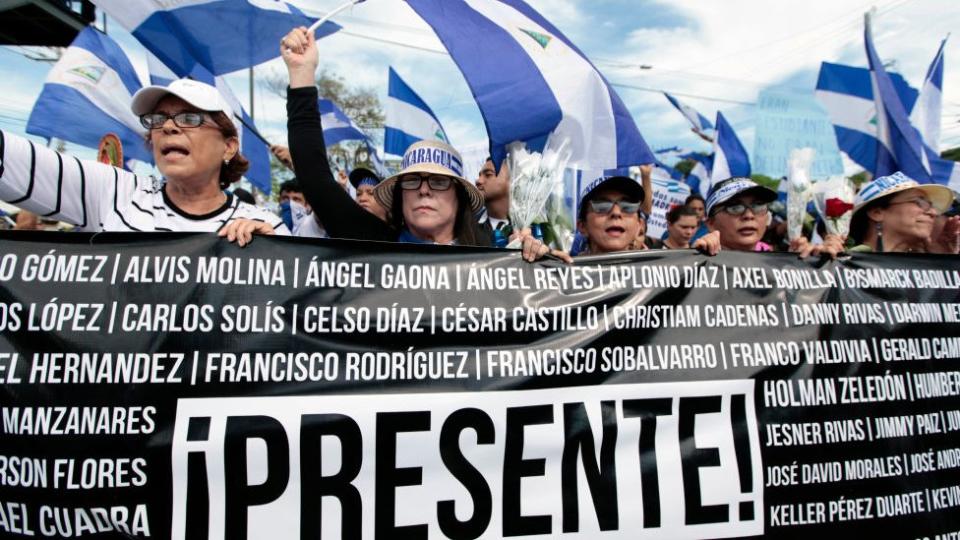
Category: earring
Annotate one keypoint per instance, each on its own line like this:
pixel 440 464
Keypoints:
pixel 226 162
pixel 879 229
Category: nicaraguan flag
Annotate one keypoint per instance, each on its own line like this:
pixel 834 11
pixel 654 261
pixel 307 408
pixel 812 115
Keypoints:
pixel 409 118
pixel 221 35
pixel 729 157
pixel 700 173
pixel 251 146
pixel 337 126
pixel 667 172
pixel 697 120
pixel 927 111
pixel 894 130
pixel 529 81
pixel 87 94
pixel 846 92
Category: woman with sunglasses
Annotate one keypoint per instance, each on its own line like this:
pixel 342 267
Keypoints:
pixel 196 148
pixel 609 217
pixel 738 209
pixel 895 214
pixel 429 201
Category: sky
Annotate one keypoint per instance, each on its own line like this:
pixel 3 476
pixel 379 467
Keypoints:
pixel 713 55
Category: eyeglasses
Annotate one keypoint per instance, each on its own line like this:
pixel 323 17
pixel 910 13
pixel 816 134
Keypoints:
pixel 922 202
pixel 187 119
pixel 739 209
pixel 413 182
pixel 604 207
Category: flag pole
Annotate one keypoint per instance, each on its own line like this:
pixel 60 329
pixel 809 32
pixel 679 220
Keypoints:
pixel 252 129
pixel 328 16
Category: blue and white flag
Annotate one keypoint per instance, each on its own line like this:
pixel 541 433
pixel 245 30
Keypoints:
pixel 700 173
pixel 337 126
pixel 729 156
pixel 87 94
pixel 894 131
pixel 530 81
pixel 666 172
pixel 220 35
pixel 697 120
pixel 251 146
pixel 846 92
pixel 926 113
pixel 409 118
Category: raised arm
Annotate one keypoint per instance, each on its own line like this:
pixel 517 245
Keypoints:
pixel 57 186
pixel 340 215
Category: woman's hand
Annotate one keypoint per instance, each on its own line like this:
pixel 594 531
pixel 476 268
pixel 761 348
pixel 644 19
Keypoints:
pixel 708 243
pixel 832 245
pixel 242 230
pixel 949 239
pixel 533 249
pixel 299 51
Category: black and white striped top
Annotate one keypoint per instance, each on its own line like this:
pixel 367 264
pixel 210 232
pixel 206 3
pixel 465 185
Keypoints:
pixel 97 197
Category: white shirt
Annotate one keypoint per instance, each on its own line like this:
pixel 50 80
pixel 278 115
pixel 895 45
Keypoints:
pixel 98 197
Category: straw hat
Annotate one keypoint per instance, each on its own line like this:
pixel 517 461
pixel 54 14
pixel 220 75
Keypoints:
pixel 885 186
pixel 431 157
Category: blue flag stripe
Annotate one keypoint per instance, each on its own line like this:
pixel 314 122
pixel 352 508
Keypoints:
pixel 107 50
pixel 500 100
pixel 632 149
pixel 65 113
pixel 399 89
pixel 395 138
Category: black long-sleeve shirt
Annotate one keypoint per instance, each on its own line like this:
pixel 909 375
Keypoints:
pixel 340 215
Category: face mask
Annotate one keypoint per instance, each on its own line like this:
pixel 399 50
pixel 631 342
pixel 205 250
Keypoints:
pixel 286 215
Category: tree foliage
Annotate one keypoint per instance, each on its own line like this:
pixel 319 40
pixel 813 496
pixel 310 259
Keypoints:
pixel 361 104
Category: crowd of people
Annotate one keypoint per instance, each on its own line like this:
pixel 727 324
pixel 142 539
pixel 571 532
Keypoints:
pixel 196 149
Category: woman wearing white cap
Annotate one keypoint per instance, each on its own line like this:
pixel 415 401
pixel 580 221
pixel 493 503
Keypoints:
pixel 895 214
pixel 195 146
pixel 429 201
pixel 738 208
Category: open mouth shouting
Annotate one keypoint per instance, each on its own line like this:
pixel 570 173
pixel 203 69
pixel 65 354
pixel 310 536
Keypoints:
pixel 174 151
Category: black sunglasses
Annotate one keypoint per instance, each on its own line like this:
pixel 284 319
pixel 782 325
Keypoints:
pixel 604 207
pixel 411 182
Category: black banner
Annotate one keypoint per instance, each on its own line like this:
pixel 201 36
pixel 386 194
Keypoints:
pixel 176 386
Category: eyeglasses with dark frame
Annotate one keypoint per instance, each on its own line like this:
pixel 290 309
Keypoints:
pixel 605 206
pixel 739 209
pixel 412 182
pixel 923 203
pixel 185 119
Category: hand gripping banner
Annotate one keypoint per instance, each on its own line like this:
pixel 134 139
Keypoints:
pixel 176 386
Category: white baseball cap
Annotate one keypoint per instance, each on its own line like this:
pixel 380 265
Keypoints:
pixel 200 95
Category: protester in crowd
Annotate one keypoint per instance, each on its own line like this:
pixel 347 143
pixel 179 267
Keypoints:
pixel 364 181
pixel 429 201
pixel 698 204
pixel 643 240
pixel 738 209
pixel 609 217
pixel 496 198
pixel 291 194
pixel 196 148
pixel 895 214
pixel 681 224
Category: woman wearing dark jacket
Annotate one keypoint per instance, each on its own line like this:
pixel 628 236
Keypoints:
pixel 429 201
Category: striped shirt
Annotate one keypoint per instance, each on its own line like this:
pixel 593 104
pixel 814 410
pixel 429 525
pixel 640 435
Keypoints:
pixel 97 197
